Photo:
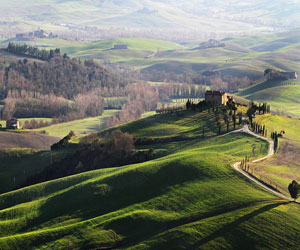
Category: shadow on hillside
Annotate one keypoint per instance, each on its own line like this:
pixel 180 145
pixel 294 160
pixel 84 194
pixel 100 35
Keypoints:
pixel 102 196
pixel 236 223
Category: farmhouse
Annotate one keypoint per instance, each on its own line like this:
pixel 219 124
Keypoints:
pixel 120 46
pixel 20 36
pixel 211 43
pixel 271 74
pixel 290 75
pixel 216 98
pixel 13 124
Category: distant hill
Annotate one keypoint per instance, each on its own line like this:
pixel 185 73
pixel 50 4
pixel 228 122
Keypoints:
pixel 242 56
pixel 194 15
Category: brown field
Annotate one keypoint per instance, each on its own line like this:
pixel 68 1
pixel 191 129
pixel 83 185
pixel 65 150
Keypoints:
pixel 26 140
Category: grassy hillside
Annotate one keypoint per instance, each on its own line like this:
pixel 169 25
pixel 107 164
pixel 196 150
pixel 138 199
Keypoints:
pixel 190 198
pixel 148 14
pixel 133 43
pixel 183 193
pixel 266 85
pixel 80 127
pixel 281 95
pixel 283 167
pixel 18 164
pixel 241 56
pixel 184 123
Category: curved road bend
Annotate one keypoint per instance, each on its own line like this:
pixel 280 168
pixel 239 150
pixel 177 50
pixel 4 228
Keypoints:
pixel 236 166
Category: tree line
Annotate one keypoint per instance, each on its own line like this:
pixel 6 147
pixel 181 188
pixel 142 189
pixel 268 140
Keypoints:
pixel 34 52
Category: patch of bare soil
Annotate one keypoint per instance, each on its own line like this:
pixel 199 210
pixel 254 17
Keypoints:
pixel 26 140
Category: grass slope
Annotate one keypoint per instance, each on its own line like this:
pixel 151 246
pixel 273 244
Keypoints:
pixel 183 123
pixel 281 169
pixel 18 164
pixel 182 195
pixel 281 95
pixel 242 56
pixel 80 127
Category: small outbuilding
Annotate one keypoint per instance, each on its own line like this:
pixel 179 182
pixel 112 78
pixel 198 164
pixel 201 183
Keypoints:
pixel 120 46
pixel 13 124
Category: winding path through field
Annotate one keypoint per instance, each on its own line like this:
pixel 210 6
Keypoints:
pixel 236 165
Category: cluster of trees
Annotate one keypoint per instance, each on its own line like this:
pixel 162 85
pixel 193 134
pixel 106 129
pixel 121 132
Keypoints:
pixel 176 90
pixel 245 164
pixel 170 109
pixel 142 98
pixel 272 74
pixel 112 150
pixel 63 142
pixel 84 105
pixel 59 76
pixel 258 129
pixel 200 106
pixel 213 79
pixel 34 124
pixel 45 106
pixel 41 54
pixel 275 136
pixel 261 108
pixel 59 87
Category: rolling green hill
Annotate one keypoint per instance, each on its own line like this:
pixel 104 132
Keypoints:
pixel 283 96
pixel 241 56
pixel 183 124
pixel 191 198
pixel 149 14
pixel 284 166
pixel 80 127
pixel 95 209
pixel 17 165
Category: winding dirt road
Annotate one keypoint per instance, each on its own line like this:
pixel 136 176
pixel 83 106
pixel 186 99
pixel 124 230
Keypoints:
pixel 236 166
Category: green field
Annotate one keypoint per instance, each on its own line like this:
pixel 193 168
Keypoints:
pixel 241 56
pixel 187 194
pixel 80 127
pixel 283 96
pixel 147 16
pixel 184 123
pixel 281 169
pixel 190 198
pixel 17 165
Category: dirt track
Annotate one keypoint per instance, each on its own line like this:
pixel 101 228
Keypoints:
pixel 26 140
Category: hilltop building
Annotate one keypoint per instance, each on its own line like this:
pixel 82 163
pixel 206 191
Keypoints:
pixel 20 36
pixel 216 98
pixel 271 74
pixel 211 43
pixel 37 34
pixel 13 124
pixel 120 46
